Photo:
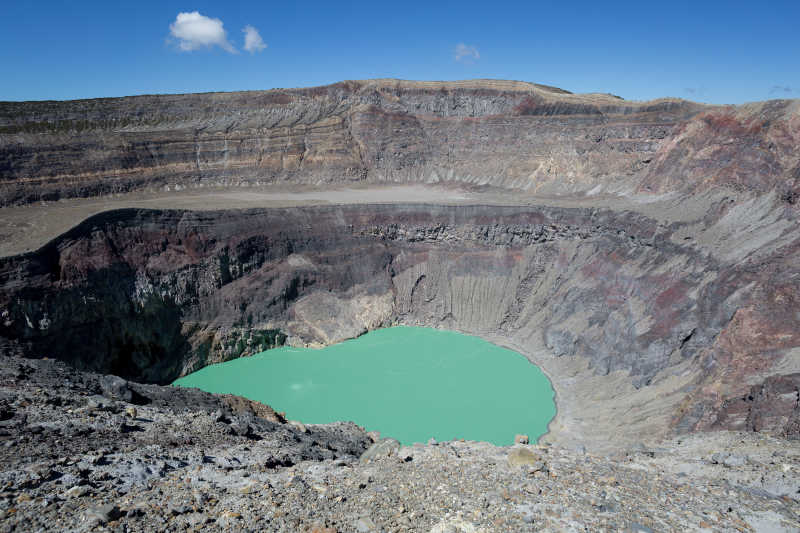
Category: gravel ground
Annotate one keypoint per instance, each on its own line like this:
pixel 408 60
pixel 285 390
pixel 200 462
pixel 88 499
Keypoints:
pixel 83 452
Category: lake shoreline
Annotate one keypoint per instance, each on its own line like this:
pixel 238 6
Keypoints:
pixel 431 383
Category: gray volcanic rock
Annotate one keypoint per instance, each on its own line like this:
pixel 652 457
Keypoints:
pixel 181 468
pixel 508 134
pixel 620 311
pixel 383 448
pixel 96 417
pixel 500 133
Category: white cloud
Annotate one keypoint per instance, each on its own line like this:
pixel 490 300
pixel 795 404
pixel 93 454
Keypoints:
pixel 466 53
pixel 194 31
pixel 252 40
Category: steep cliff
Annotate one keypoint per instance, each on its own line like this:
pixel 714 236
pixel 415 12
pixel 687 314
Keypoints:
pixel 642 331
pixel 649 264
pixel 504 134
pixel 500 133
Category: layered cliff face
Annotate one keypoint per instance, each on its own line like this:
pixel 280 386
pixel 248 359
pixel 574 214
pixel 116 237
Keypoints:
pixel 499 133
pixel 642 331
pixel 504 134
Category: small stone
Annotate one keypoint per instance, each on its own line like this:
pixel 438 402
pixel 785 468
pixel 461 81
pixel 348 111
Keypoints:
pixel 321 529
pixel 200 498
pixel 76 491
pixel 523 457
pixel 94 403
pixel 735 460
pixel 97 459
pixel 728 459
pixel 453 526
pixel 102 514
pixel 298 425
pixel 179 509
pixel 364 525
pixel 718 457
pixel 122 427
pixel 383 448
pixel 248 489
pixel 116 388
pixel 135 512
pixel 521 439
pixel 375 436
pixel 240 427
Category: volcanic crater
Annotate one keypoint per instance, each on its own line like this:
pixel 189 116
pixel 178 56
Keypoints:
pixel 645 255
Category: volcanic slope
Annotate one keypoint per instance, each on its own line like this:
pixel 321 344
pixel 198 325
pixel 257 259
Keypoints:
pixel 505 134
pixel 647 259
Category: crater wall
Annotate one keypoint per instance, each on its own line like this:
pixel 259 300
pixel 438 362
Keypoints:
pixel 509 135
pixel 642 331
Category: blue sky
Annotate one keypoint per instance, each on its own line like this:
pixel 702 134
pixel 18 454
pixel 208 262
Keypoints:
pixel 720 52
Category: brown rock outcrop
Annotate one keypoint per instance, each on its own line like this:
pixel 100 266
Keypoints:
pixel 773 404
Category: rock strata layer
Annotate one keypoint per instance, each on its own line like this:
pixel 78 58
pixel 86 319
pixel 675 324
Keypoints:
pixel 621 311
pixel 504 134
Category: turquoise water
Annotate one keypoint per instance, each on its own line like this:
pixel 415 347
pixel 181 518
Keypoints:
pixel 406 382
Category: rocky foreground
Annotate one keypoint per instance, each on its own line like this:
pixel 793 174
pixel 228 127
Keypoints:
pixel 86 452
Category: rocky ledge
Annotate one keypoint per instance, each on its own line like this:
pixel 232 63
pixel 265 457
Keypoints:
pixel 86 452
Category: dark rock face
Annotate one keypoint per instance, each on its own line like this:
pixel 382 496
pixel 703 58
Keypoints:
pixel 773 404
pixel 151 295
pixel 143 288
pixel 139 293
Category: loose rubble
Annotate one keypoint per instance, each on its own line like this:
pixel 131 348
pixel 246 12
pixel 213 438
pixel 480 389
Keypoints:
pixel 83 452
